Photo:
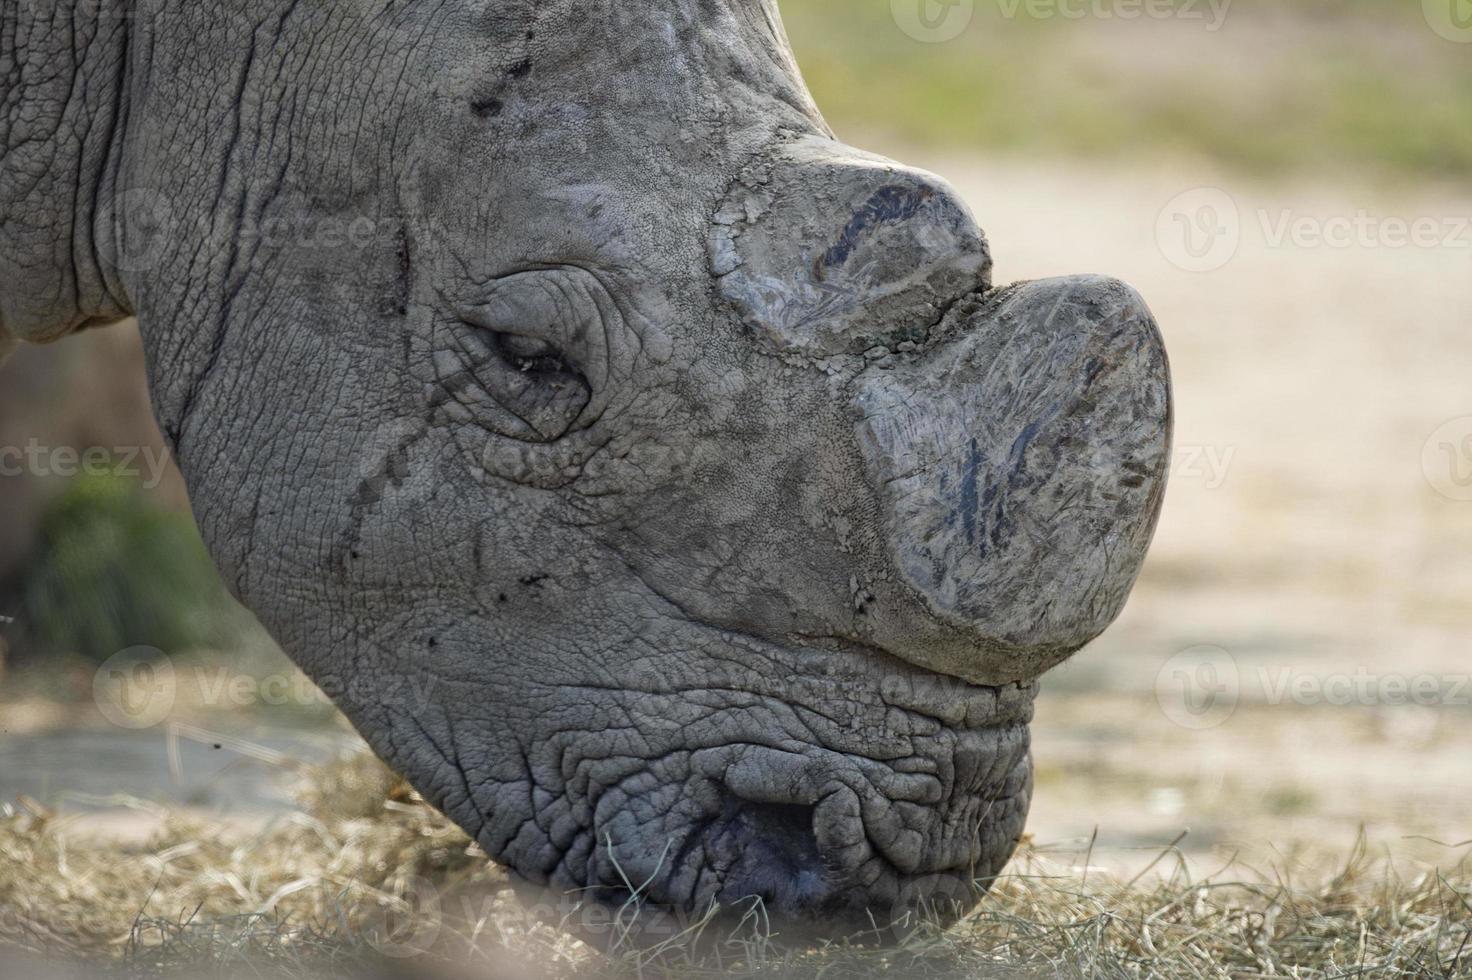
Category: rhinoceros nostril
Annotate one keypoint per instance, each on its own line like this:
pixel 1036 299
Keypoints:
pixel 773 855
pixel 783 829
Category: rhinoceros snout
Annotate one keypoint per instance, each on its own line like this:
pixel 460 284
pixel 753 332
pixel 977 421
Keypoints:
pixel 1017 440
pixel 1021 469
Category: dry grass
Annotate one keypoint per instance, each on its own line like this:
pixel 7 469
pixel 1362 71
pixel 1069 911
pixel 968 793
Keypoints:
pixel 366 881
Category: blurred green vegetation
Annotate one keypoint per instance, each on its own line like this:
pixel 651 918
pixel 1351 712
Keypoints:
pixel 115 570
pixel 1277 86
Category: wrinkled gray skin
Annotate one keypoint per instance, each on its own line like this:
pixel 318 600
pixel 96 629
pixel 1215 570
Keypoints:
pixel 655 480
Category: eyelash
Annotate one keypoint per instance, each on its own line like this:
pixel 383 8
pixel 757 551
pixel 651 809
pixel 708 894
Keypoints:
pixel 552 362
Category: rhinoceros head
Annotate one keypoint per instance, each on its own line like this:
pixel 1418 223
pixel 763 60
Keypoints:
pixel 655 480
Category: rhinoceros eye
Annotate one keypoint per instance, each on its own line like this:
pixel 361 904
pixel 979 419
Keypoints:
pixel 532 356
pixel 531 344
pixel 537 384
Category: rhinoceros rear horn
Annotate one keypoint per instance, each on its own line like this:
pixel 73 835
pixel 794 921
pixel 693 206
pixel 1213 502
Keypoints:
pixel 824 249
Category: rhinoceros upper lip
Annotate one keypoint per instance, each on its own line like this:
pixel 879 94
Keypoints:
pixel 953 701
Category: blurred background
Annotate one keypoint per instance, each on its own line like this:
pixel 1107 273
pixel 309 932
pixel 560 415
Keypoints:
pixel 1285 181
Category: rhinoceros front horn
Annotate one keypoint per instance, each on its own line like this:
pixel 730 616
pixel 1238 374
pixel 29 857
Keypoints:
pixel 1022 467
pixel 1018 439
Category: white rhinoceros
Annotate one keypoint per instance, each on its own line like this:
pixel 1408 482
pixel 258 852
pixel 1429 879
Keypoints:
pixel 657 482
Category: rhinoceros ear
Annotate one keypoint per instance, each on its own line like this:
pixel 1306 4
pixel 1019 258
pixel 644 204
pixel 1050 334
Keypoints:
pixel 825 249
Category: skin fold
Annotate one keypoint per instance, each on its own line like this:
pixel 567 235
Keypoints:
pixel 657 482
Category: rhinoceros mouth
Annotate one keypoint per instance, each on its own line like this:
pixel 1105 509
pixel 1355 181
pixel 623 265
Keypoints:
pixel 869 852
pixel 827 793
